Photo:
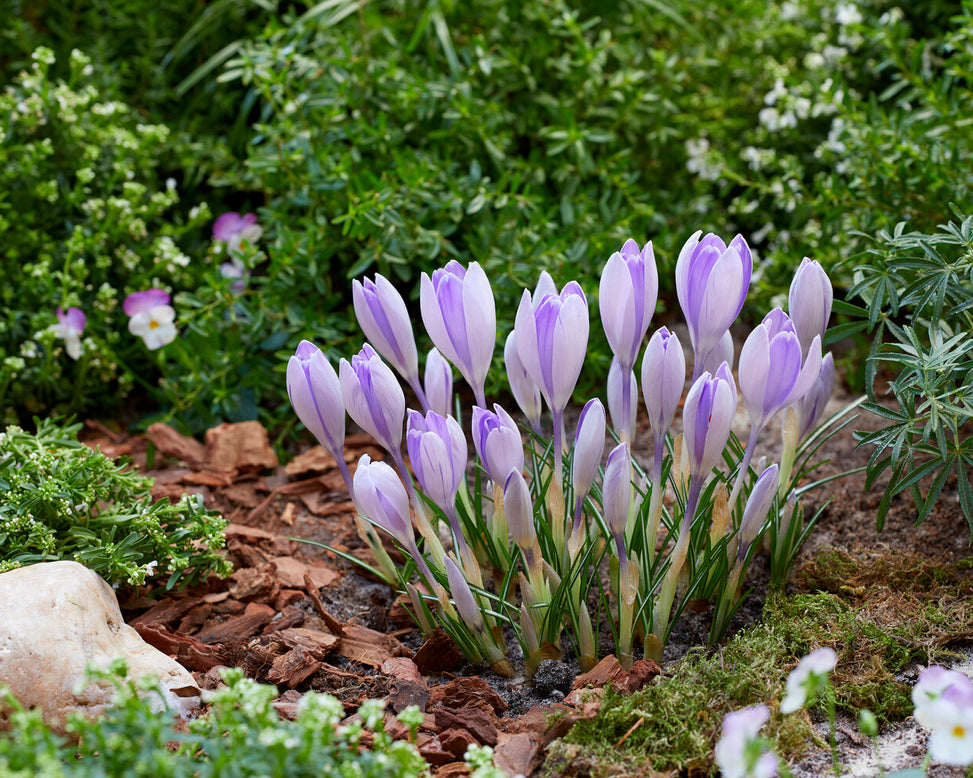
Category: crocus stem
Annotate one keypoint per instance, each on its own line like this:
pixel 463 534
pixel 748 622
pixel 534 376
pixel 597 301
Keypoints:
pixel 462 549
pixel 558 451
pixel 655 501
pixel 744 467
pixel 789 435
pixel 343 469
pixel 624 433
pixel 416 385
pixel 663 604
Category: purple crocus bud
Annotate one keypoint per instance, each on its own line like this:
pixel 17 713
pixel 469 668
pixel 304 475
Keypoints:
pixel 626 299
pixel 381 497
pixel 758 504
pixel 69 327
pixel 707 417
pixel 663 379
pixel 518 510
pixel 622 414
pixel 439 383
pixel 232 229
pixel 589 445
pixel 771 374
pixel 616 489
pixel 373 398
pixel 460 316
pixel 712 280
pixel 384 319
pixel 551 340
pixel 496 437
pixel 315 394
pixel 812 405
pixel 437 451
pixel 522 386
pixel 809 302
pixel 463 598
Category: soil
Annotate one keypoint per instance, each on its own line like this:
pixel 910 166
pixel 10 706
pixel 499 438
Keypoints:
pixel 301 617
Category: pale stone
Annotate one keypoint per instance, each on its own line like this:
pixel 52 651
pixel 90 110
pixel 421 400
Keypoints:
pixel 56 619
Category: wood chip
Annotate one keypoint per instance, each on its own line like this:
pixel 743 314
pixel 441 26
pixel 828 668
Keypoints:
pixel 255 583
pixel 244 532
pixel 249 623
pixel 437 654
pixel 315 460
pixel 243 446
pixel 332 623
pixel 293 668
pixel 517 754
pixel 369 647
pixel 168 611
pixel 468 693
pixel 208 478
pixel 476 721
pixel 188 651
pixel 176 445
pixel 293 573
pixel 318 644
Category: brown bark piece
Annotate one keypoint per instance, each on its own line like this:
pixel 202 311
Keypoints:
pixel 249 623
pixel 433 752
pixel 369 647
pixel 176 445
pixel 403 669
pixel 315 460
pixel 167 611
pixel 468 693
pixel 287 618
pixel 188 651
pixel 208 478
pixel 456 741
pixel 318 644
pixel 292 572
pixel 239 447
pixel 517 754
pixel 244 494
pixel 437 654
pixel 452 770
pixel 286 704
pixel 288 597
pixel 255 583
pixel 474 720
pixel 243 532
pixel 293 668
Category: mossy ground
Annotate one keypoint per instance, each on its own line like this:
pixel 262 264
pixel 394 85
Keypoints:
pixel 881 613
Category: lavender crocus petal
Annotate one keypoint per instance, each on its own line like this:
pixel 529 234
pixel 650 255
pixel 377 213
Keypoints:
pixel 518 510
pixel 754 370
pixel 143 302
pixel 545 285
pixel 663 379
pixel 315 394
pixel 450 298
pixel 616 383
pixel 498 443
pixel 439 383
pixel 721 352
pixel 522 386
pixel 384 319
pixel 757 507
pixel 432 318
pixel 589 445
pixel 617 304
pixel 437 451
pixel 720 302
pixel 525 343
pixel 381 497
pixel 372 397
pixel 809 372
pixel 570 343
pixel 463 597
pixel 707 417
pixel 616 490
pixel 813 403
pixel 809 301
pixel 481 322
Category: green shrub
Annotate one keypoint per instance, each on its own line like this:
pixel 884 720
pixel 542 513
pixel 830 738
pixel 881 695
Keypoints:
pixel 61 500
pixel 240 735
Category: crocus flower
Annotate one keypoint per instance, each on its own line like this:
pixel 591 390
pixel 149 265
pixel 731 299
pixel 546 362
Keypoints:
pixel 463 598
pixel 809 302
pixel 151 317
pixel 758 504
pixel 738 752
pixel 616 491
pixel 707 416
pixel 626 299
pixel 589 445
pixel 315 394
pixel 519 511
pixel 373 398
pixel 807 679
pixel 663 379
pixel 439 383
pixel 460 316
pixel 381 497
pixel 522 386
pixel 437 451
pixel 622 390
pixel 812 405
pixel 69 327
pixel 384 319
pixel 552 335
pixel 772 375
pixel 712 280
pixel 496 437
pixel 232 229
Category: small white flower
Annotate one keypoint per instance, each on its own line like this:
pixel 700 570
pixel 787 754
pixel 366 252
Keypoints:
pixel 848 13
pixel 739 753
pixel 806 679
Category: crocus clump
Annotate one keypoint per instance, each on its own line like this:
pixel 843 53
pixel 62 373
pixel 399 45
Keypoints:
pixel 517 537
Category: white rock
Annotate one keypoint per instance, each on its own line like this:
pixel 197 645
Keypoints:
pixel 56 619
